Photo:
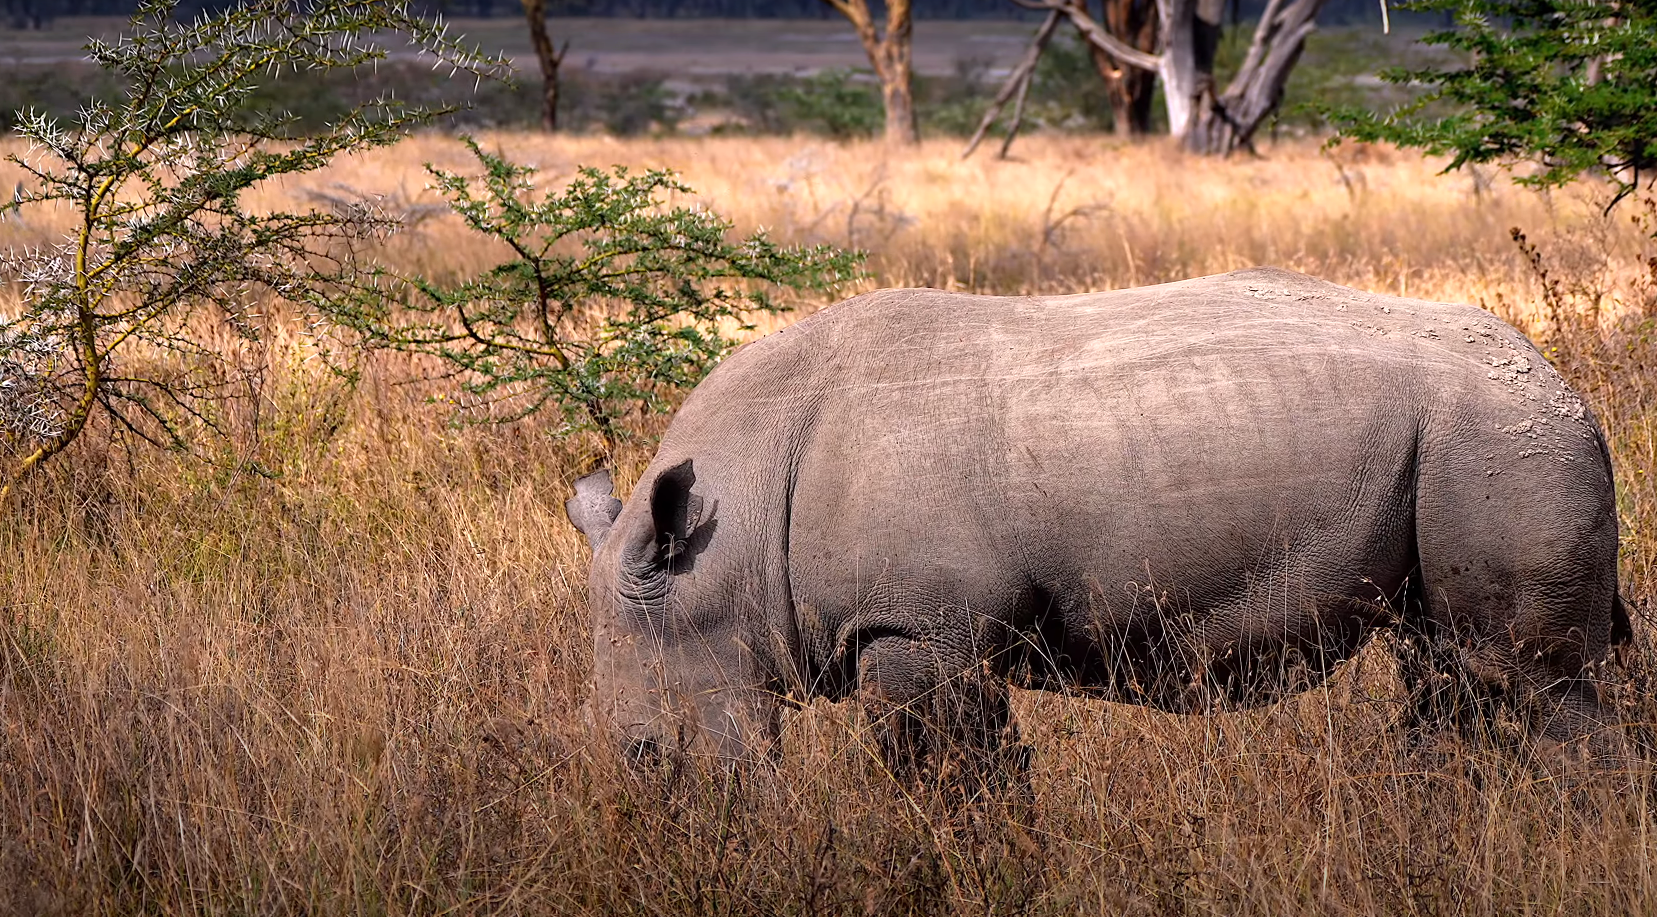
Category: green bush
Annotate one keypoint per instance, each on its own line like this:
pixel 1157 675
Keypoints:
pixel 1566 85
pixel 839 103
pixel 842 104
pixel 615 298
pixel 111 324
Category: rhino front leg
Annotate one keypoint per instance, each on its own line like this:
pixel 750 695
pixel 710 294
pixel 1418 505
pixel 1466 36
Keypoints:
pixel 938 716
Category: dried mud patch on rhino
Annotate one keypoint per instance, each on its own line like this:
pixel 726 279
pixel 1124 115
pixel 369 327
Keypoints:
pixel 1565 403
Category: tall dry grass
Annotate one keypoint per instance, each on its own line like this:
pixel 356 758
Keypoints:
pixel 335 669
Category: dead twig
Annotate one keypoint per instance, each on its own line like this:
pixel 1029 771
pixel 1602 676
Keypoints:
pixel 1052 226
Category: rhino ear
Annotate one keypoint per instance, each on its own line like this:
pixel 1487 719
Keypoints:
pixel 594 507
pixel 678 528
pixel 675 511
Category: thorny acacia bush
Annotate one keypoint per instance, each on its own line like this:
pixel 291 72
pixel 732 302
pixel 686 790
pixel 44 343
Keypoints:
pixel 351 686
pixel 156 178
pixel 614 300
pixel 1564 85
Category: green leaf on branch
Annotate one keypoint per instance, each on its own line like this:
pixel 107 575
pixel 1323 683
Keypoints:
pixel 110 326
pixel 1569 85
pixel 616 297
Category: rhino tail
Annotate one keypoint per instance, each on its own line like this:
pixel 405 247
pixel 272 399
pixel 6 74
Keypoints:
pixel 1622 624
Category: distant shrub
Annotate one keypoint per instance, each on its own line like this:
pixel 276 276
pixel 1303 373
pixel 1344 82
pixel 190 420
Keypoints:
pixel 1067 92
pixel 308 101
pixel 842 104
pixel 953 104
pixel 60 89
pixel 630 105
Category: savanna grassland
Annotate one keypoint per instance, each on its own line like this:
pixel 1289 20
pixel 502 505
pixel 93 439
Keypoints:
pixel 333 666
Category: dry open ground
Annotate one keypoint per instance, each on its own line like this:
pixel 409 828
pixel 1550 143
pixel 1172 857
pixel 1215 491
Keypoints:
pixel 335 670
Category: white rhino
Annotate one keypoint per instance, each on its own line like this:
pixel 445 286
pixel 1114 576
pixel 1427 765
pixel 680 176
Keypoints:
pixel 1213 489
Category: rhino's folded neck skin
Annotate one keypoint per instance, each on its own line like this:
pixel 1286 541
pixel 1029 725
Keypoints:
pixel 642 586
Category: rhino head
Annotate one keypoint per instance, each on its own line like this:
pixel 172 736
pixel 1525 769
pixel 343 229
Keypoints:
pixel 672 671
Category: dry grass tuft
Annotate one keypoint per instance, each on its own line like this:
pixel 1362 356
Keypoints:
pixel 336 671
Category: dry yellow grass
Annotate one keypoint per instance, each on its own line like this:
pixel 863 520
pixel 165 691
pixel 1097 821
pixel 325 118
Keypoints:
pixel 348 686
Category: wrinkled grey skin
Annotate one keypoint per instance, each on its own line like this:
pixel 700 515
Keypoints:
pixel 1172 495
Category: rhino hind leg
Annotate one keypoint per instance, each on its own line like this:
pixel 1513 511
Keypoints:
pixel 1557 725
pixel 1441 693
pixel 1500 691
pixel 1516 605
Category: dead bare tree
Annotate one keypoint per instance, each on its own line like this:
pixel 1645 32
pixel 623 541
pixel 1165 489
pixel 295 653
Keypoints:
pixel 1209 122
pixel 1017 86
pixel 1228 122
pixel 1129 88
pixel 1096 34
pixel 550 58
pixel 889 51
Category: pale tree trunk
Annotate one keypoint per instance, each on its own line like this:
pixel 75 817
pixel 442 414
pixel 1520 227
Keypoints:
pixel 1178 67
pixel 1227 122
pixel 1190 37
pixel 889 51
pixel 549 57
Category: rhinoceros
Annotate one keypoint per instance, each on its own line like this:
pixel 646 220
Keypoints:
pixel 1199 492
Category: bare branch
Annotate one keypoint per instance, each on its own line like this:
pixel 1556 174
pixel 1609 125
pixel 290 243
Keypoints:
pixel 1018 117
pixel 1096 33
pixel 1018 82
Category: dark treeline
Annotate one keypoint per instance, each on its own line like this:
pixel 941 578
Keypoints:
pixel 25 14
